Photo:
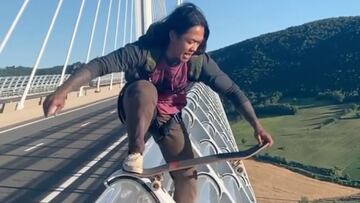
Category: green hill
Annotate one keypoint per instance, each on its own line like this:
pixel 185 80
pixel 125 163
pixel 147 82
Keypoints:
pixel 302 60
pixel 321 134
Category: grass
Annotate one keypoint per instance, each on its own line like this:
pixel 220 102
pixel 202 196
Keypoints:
pixel 309 138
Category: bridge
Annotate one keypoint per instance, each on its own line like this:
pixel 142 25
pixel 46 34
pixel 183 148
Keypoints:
pixel 68 158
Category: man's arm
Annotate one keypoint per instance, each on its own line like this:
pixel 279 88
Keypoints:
pixel 56 100
pixel 261 135
pixel 212 76
pixel 120 60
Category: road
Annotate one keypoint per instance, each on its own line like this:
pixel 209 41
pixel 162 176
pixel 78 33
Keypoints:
pixel 64 158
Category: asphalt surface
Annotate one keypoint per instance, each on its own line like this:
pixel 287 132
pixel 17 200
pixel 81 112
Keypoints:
pixel 64 158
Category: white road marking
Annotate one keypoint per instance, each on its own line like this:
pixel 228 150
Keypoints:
pixel 26 124
pixel 85 124
pixel 68 182
pixel 113 112
pixel 31 148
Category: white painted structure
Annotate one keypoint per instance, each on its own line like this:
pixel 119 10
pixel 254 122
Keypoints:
pixel 210 134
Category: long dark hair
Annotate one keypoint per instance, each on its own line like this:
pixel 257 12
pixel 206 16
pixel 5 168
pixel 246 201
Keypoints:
pixel 180 20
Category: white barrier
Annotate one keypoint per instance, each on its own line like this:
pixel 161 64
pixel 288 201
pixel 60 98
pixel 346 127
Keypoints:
pixel 14 86
pixel 210 133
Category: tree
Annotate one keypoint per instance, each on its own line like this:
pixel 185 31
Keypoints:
pixel 304 200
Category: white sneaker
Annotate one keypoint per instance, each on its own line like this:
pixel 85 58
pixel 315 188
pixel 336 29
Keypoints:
pixel 133 163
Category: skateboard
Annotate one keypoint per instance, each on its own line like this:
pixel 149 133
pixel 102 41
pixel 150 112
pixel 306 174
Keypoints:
pixel 154 174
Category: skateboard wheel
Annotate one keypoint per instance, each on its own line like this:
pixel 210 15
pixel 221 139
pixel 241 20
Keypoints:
pixel 158 177
pixel 239 169
pixel 156 185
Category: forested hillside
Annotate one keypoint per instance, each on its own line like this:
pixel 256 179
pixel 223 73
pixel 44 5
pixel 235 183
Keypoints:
pixel 302 60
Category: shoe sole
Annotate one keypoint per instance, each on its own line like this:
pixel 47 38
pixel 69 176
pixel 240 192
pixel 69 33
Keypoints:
pixel 133 170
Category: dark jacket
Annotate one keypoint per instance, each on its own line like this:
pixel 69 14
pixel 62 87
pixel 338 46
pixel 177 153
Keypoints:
pixel 133 59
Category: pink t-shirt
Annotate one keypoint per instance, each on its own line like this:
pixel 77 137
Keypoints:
pixel 171 83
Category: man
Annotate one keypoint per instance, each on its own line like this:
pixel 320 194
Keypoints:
pixel 158 68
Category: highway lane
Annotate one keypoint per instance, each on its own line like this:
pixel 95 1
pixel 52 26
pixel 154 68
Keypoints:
pixel 62 159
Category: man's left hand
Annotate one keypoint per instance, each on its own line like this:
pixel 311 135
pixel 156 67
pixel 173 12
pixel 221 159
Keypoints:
pixel 263 137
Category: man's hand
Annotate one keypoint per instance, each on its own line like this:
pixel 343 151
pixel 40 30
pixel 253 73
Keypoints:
pixel 54 103
pixel 263 137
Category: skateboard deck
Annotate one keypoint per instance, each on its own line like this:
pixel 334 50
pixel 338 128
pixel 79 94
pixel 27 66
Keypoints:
pixel 177 165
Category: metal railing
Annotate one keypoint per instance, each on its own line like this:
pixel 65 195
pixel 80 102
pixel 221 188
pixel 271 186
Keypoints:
pixel 13 87
pixel 210 134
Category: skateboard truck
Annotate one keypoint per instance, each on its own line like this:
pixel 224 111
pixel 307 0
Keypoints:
pixel 156 181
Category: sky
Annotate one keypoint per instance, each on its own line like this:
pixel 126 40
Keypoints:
pixel 230 21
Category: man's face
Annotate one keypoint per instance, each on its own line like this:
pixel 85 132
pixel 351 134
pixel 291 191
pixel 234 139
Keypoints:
pixel 184 46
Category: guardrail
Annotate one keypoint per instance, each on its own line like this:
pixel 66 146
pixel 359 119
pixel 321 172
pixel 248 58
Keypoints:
pixel 12 87
pixel 210 133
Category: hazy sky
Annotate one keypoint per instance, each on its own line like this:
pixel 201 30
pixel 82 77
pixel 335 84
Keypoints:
pixel 230 21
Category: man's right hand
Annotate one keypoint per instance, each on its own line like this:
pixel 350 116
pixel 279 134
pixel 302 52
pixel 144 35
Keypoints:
pixel 54 103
